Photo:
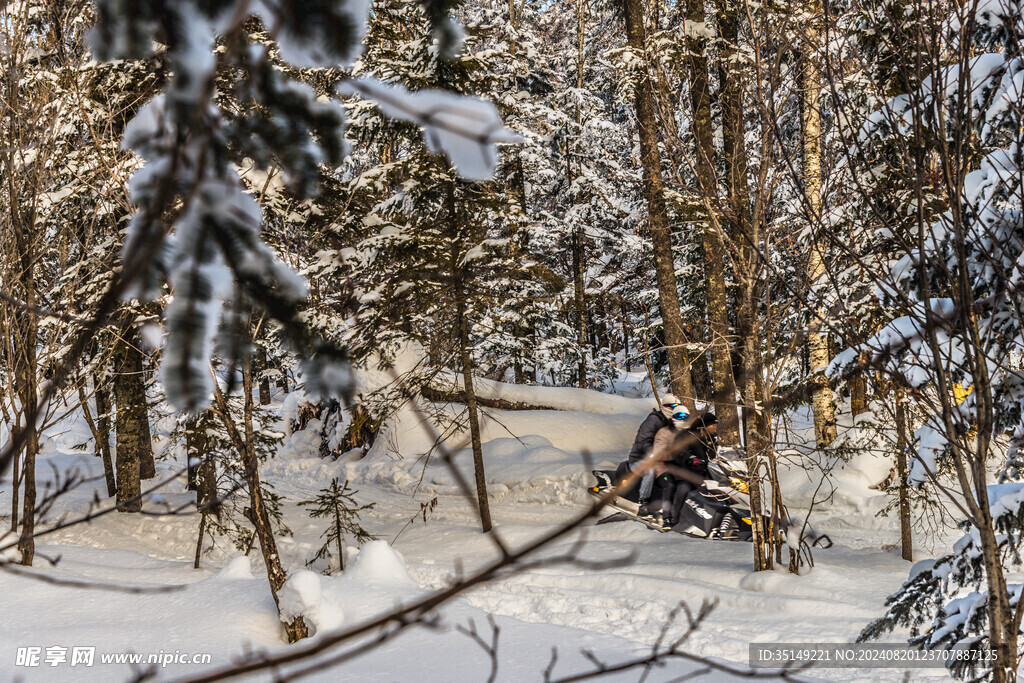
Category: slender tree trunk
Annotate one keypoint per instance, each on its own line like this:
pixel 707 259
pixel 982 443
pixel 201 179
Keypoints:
pixel 1002 631
pixel 25 377
pixel 858 394
pixel 131 411
pixel 205 484
pixel 474 420
pixel 755 433
pixel 466 360
pixel 98 438
pixel 102 396
pixel 147 463
pixel 902 442
pixel 723 381
pixel 745 233
pixel 657 211
pixel 810 115
pixel 15 482
pixel 258 514
pixel 337 528
pixel 29 396
pixel 579 303
pixel 261 360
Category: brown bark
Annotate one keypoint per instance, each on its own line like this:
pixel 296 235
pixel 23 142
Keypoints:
pixel 205 484
pixel 103 427
pixel 745 234
pixel 902 471
pixel 258 514
pixel 466 361
pixel 101 437
pixel 261 366
pixel 723 381
pixel 657 210
pixel 858 394
pixel 132 440
pixel 25 361
pixel 579 304
pixel 28 393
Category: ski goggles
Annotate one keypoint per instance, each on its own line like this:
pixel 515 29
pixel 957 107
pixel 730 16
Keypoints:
pixel 679 411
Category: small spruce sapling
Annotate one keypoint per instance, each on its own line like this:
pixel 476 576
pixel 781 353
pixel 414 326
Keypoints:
pixel 336 502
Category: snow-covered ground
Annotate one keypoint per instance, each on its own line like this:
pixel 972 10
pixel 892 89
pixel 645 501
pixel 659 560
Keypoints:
pixel 537 467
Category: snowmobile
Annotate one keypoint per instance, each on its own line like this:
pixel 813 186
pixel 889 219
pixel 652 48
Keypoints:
pixel 718 510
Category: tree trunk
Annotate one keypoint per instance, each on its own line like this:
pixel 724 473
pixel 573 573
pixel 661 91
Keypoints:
pixel 858 394
pixel 1002 632
pixel 810 117
pixel 28 393
pixel 902 443
pixel 466 360
pixel 103 429
pixel 657 211
pixel 100 438
pixel 131 413
pixel 745 233
pixel 24 367
pixel 723 381
pixel 261 360
pixel 258 515
pixel 579 303
pixel 755 433
pixel 205 488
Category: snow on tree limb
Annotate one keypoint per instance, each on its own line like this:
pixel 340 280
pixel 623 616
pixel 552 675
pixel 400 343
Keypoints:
pixel 466 129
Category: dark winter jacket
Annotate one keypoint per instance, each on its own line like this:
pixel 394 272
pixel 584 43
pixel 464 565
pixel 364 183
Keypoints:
pixel 644 441
pixel 695 451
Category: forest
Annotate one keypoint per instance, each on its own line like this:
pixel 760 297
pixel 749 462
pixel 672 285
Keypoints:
pixel 318 317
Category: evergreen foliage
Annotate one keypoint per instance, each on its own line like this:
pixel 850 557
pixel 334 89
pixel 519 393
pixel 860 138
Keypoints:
pixel 339 507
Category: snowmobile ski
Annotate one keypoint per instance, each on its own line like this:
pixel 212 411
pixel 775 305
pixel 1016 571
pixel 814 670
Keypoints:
pixel 625 510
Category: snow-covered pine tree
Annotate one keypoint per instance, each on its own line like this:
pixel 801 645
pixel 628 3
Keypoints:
pixel 436 257
pixel 960 323
pixel 192 151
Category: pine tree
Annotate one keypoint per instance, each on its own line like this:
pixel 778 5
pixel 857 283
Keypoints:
pixel 339 507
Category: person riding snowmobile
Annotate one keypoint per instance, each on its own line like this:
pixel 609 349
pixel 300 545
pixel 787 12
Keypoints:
pixel 687 468
pixel 670 415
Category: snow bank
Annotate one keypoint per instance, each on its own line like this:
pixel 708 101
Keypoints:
pixel 558 398
pixel 300 596
pixel 238 568
pixel 303 595
pixel 378 562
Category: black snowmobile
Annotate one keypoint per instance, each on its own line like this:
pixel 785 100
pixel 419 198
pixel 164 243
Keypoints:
pixel 718 510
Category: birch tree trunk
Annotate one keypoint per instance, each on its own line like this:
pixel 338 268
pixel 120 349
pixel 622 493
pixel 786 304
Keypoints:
pixel 810 118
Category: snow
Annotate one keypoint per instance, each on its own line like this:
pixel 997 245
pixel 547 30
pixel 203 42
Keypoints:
pixel 536 473
pixel 377 562
pixel 463 128
pixel 237 568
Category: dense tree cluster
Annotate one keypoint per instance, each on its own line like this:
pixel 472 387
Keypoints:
pixel 760 206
